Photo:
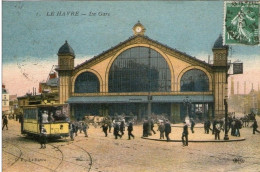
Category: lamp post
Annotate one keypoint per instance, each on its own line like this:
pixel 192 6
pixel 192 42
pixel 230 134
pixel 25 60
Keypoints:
pixel 187 103
pixel 226 104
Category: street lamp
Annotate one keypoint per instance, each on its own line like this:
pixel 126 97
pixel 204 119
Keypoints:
pixel 187 103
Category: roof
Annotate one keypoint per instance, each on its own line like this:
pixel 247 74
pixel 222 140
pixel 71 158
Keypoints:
pixel 66 49
pixel 219 43
pixel 53 82
pixel 147 38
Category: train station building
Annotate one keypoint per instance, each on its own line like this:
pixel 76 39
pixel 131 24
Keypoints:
pixel 142 76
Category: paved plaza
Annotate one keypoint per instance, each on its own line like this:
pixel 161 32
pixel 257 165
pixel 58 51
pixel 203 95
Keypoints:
pixel 98 153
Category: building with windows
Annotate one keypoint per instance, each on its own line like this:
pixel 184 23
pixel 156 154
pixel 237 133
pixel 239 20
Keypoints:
pixel 5 99
pixel 141 76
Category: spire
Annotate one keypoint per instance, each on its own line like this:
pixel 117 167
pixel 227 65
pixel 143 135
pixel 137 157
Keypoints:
pixel 66 49
pixel 219 43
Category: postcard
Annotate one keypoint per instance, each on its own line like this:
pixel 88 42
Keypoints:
pixel 130 86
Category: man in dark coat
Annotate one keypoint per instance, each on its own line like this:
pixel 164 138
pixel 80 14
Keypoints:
pixel 116 130
pixel 185 135
pixel 167 129
pixel 72 130
pixel 105 128
pixel 5 122
pixel 122 127
pixel 152 126
pixel 192 125
pixel 214 126
pixel 130 129
pixel 145 128
pixel 255 126
pixel 43 138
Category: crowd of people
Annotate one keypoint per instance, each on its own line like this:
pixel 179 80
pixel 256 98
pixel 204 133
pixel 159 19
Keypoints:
pixel 164 127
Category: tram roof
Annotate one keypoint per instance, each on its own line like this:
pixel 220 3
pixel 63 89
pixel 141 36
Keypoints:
pixel 44 105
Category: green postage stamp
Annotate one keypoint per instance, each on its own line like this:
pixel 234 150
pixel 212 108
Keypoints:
pixel 241 22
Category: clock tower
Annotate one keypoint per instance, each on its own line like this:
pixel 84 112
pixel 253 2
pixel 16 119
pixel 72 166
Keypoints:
pixel 138 29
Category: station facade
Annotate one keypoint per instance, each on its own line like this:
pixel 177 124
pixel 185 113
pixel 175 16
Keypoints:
pixel 141 76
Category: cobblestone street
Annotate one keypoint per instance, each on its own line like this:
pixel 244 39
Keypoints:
pixel 98 153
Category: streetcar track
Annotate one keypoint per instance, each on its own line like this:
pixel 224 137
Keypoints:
pixel 91 161
pixel 18 157
pixel 48 155
pixel 62 156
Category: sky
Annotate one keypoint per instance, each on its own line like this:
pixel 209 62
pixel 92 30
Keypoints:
pixel 33 32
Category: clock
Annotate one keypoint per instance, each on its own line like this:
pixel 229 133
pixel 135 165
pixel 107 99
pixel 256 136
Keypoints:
pixel 138 29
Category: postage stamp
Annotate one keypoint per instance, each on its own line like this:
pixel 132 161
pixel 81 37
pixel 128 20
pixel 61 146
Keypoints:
pixel 241 24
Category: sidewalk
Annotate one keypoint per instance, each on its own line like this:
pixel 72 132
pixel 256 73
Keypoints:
pixel 198 135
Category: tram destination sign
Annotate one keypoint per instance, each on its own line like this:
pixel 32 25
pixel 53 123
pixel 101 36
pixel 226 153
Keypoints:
pixel 237 68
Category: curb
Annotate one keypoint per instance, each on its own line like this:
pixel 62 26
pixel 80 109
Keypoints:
pixel 197 141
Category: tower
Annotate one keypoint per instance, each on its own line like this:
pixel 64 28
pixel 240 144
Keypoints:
pixel 220 69
pixel 66 58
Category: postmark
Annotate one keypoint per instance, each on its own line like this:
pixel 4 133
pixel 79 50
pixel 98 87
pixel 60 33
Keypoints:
pixel 241 23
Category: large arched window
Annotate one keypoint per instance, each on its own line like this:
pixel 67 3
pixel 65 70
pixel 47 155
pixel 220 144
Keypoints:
pixel 194 80
pixel 139 69
pixel 87 82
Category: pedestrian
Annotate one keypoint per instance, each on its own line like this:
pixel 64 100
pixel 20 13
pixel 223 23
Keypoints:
pixel 255 126
pixel 109 124
pixel 192 125
pixel 206 126
pixel 116 130
pixel 145 128
pixel 161 128
pixel 184 136
pixel 214 126
pixel 72 130
pixel 233 128
pixel 76 125
pixel 122 127
pixel 217 131
pixel 167 130
pixel 80 126
pixel 5 122
pixel 238 125
pixel 105 128
pixel 152 126
pixel 85 128
pixel 43 138
pixel 130 129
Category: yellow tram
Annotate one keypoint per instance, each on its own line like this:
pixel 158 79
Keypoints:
pixel 54 118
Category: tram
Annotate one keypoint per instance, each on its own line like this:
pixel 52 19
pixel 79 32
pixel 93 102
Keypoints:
pixel 54 118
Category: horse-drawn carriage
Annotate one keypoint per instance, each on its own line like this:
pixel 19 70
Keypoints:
pixel 94 120
pixel 248 118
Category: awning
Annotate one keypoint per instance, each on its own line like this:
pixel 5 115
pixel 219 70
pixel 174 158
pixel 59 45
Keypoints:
pixel 141 99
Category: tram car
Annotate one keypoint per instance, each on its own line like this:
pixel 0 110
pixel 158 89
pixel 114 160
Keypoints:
pixel 54 118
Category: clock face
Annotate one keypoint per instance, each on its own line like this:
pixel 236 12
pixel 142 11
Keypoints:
pixel 138 29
